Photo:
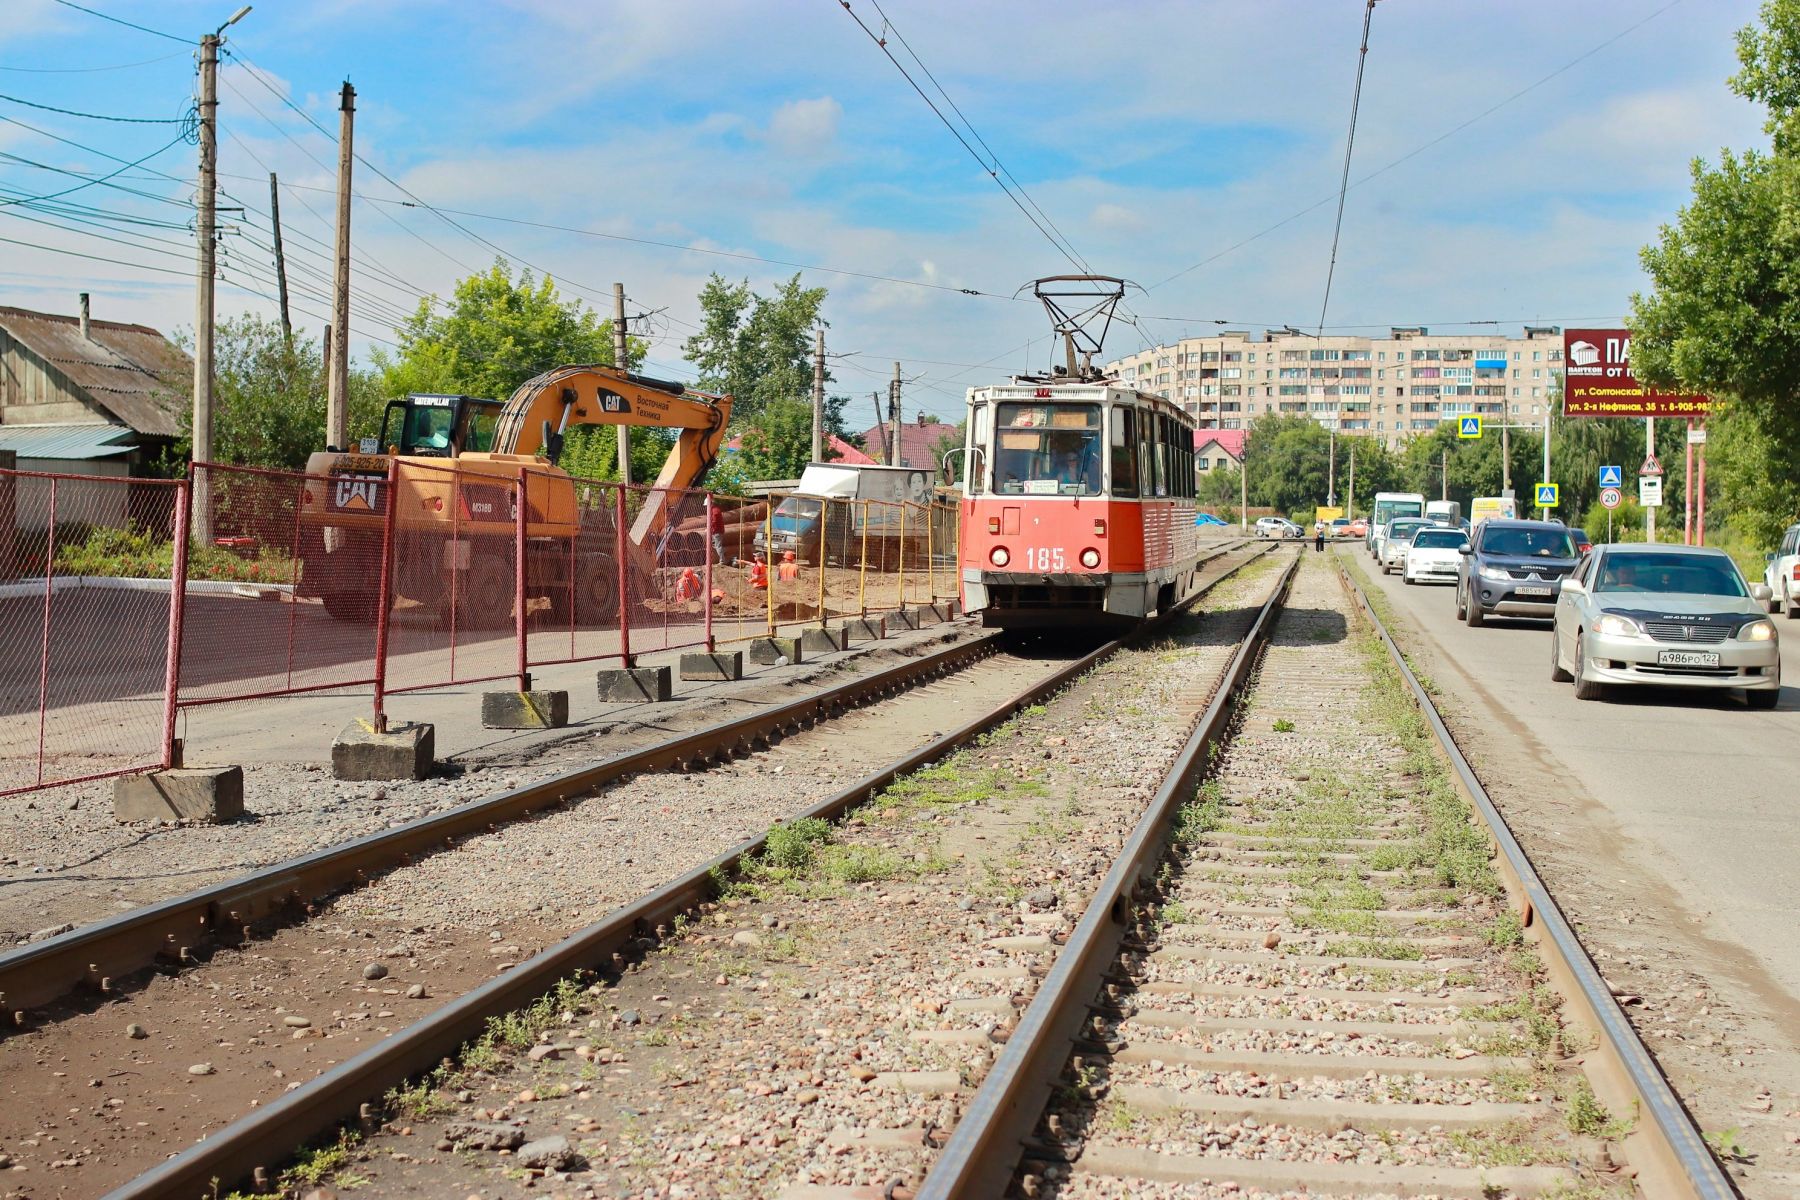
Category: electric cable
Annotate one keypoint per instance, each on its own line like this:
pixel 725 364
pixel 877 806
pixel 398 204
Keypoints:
pixel 94 12
pixel 1362 57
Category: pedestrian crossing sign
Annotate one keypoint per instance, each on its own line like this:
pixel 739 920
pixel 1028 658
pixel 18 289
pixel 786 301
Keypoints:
pixel 1468 427
pixel 1546 495
pixel 1612 477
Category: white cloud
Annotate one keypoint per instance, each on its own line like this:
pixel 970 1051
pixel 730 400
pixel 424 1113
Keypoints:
pixel 805 128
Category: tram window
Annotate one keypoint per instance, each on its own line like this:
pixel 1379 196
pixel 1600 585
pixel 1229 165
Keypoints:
pixel 1047 450
pixel 1159 454
pixel 1124 452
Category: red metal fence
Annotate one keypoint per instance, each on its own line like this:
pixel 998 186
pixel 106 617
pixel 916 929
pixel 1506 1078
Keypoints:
pixel 88 620
pixel 117 611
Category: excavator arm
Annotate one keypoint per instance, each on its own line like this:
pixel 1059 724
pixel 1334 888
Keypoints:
pixel 542 409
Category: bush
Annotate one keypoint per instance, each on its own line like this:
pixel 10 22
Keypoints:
pixel 140 554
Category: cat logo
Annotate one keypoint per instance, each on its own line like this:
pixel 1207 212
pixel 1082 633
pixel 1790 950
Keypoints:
pixel 612 402
pixel 357 493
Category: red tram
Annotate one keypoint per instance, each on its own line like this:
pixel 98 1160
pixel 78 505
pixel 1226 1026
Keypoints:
pixel 1078 504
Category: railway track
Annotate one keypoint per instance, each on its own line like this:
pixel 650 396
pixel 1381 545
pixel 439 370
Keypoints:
pixel 616 940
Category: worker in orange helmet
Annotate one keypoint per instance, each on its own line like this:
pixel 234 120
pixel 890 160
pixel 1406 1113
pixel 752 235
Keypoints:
pixel 718 595
pixel 687 587
pixel 789 569
pixel 759 573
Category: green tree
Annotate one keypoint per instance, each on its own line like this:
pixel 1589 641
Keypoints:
pixel 1725 297
pixel 760 348
pixel 776 442
pixel 269 396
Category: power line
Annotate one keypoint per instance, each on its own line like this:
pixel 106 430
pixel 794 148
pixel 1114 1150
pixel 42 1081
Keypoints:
pixel 186 118
pixel 93 70
pixel 180 137
pixel 1438 140
pixel 1362 56
pixel 94 12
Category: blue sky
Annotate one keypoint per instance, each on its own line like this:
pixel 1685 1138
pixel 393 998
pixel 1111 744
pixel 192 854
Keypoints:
pixel 1153 135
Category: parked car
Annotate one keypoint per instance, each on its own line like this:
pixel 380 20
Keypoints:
pixel 1513 569
pixel 1340 527
pixel 1664 614
pixel 1277 527
pixel 1782 575
pixel 1359 527
pixel 1583 543
pixel 1433 554
pixel 1394 539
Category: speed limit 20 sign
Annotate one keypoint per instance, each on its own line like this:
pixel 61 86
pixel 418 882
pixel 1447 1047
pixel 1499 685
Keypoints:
pixel 1609 497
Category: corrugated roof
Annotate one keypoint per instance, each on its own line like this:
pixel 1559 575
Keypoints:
pixel 917 442
pixel 67 442
pixel 132 371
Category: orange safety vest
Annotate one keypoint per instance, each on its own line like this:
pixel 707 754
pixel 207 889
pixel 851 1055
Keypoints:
pixel 787 570
pixel 688 587
pixel 759 575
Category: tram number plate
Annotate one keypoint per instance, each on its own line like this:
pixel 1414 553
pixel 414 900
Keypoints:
pixel 1687 658
pixel 1045 558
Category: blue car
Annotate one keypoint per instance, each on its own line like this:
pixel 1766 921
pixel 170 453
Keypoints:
pixel 1207 519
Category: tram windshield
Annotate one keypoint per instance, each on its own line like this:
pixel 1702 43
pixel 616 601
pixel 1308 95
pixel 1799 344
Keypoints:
pixel 1047 450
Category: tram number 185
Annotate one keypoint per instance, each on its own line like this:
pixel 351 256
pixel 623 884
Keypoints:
pixel 1045 558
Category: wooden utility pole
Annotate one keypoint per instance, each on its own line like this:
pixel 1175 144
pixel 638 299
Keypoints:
pixel 287 330
pixel 818 397
pixel 337 388
pixel 894 458
pixel 621 360
pixel 203 289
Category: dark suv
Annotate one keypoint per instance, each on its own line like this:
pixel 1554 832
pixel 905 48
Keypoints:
pixel 1513 569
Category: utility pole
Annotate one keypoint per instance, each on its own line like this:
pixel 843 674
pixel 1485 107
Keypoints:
pixel 337 390
pixel 1444 478
pixel 621 360
pixel 1244 489
pixel 1505 461
pixel 1546 448
pixel 894 458
pixel 1649 453
pixel 1350 500
pixel 880 425
pixel 818 396
pixel 1331 468
pixel 203 290
pixel 287 330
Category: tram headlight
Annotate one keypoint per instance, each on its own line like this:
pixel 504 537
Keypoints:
pixel 1090 558
pixel 999 556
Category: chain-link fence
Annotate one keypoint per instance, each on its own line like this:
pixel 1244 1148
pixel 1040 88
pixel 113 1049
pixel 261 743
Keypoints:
pixel 87 618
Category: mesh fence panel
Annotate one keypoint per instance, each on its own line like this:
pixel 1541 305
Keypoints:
pixel 666 549
pixel 273 602
pixel 85 594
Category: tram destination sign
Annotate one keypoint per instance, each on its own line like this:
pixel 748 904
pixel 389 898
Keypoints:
pixel 1597 380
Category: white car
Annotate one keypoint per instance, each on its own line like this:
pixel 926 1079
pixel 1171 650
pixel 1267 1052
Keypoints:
pixel 1277 527
pixel 1783 574
pixel 1433 555
pixel 1396 535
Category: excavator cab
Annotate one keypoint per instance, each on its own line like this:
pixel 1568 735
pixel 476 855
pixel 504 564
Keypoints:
pixel 437 426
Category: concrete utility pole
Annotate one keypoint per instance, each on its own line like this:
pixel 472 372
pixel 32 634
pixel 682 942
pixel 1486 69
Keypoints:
pixel 1331 472
pixel 337 386
pixel 621 360
pixel 818 397
pixel 203 289
pixel 894 457
pixel 1649 453
pixel 1505 462
pixel 1444 478
pixel 287 330
pixel 1350 499
pixel 1244 488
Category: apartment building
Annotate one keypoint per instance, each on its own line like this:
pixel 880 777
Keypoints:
pixel 1389 387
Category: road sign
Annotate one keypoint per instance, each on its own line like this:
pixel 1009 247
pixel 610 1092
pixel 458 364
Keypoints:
pixel 1609 497
pixel 1696 437
pixel 1612 477
pixel 1546 495
pixel 1468 427
pixel 1650 491
pixel 1650 467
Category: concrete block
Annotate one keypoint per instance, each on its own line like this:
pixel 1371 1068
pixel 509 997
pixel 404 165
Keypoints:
pixel 211 794
pixel 824 641
pixel 942 610
pixel 726 665
pixel 634 685
pixel 403 752
pixel 923 616
pixel 863 629
pixel 764 651
pixel 524 710
pixel 902 619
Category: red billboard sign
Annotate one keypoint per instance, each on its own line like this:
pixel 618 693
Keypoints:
pixel 1597 380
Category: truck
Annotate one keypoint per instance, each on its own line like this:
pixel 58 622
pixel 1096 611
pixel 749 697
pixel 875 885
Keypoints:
pixel 1444 512
pixel 456 469
pixel 819 518
pixel 1484 508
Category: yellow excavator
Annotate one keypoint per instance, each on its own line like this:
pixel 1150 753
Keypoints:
pixel 454 506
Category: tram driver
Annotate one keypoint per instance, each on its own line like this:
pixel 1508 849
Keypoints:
pixel 1075 465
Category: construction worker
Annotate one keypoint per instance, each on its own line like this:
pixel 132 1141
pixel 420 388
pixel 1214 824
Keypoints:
pixel 759 573
pixel 688 586
pixel 789 569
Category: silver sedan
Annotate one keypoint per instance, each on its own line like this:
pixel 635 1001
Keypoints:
pixel 1672 615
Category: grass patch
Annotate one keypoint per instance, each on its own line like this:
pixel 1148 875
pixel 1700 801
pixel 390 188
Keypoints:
pixel 1585 1114
pixel 1511 1145
pixel 1283 725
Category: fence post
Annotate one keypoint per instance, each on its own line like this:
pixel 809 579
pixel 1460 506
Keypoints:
pixel 824 553
pixel 619 543
pixel 900 566
pixel 9 518
pixel 383 596
pixel 177 617
pixel 769 572
pixel 862 570
pixel 707 598
pixel 931 550
pixel 519 579
pixel 44 650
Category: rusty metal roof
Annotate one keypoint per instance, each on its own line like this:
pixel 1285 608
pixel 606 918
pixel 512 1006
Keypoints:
pixel 132 372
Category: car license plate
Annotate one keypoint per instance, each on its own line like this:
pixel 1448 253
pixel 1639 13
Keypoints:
pixel 1532 589
pixel 1687 658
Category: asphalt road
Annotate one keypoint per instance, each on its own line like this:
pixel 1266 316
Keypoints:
pixel 1701 786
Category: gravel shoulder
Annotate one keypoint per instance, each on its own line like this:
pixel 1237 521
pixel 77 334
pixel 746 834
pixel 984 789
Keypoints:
pixel 823 1023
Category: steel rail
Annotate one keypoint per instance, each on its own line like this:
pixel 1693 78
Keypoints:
pixel 273 1132
pixel 98 954
pixel 983 1152
pixel 1666 1150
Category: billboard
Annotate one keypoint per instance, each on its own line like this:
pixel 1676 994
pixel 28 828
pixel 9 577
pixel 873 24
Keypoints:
pixel 1597 380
